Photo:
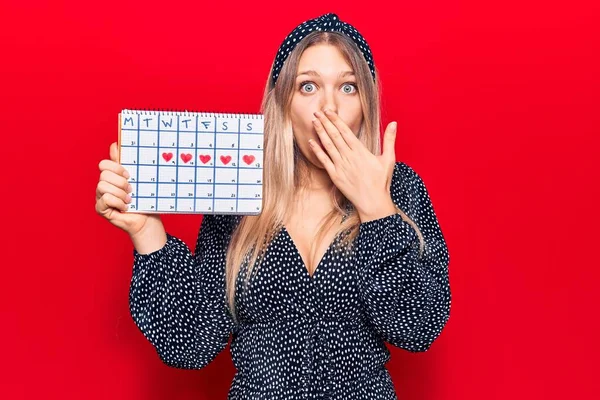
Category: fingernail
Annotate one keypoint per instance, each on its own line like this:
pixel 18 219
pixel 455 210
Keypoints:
pixel 128 198
pixel 129 188
pixel 394 126
pixel 318 114
pixel 126 174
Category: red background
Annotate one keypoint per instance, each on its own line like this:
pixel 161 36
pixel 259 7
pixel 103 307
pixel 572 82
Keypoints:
pixel 497 108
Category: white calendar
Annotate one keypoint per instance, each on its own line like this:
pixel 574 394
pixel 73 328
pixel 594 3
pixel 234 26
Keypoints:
pixel 193 162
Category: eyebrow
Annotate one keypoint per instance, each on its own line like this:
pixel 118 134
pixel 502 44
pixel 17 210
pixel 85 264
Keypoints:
pixel 315 73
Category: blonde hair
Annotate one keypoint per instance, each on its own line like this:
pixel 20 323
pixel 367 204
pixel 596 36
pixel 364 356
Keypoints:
pixel 284 166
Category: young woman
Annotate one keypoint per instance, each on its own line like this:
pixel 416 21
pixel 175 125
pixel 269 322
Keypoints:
pixel 346 255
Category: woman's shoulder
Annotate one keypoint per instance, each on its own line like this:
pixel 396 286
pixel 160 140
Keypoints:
pixel 404 176
pixel 221 222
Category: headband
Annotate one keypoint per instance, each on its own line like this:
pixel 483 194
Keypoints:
pixel 327 22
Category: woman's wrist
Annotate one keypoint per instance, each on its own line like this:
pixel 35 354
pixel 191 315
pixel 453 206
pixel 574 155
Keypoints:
pixel 152 237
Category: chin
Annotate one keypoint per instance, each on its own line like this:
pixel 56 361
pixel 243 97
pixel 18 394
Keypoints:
pixel 312 160
pixel 316 163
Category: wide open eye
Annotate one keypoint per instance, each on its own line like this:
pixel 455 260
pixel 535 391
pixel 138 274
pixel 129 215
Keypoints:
pixel 308 84
pixel 349 88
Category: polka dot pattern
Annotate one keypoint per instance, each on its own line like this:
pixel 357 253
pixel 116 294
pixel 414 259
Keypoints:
pixel 301 336
pixel 326 23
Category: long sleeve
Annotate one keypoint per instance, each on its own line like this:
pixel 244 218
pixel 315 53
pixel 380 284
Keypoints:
pixel 177 299
pixel 406 296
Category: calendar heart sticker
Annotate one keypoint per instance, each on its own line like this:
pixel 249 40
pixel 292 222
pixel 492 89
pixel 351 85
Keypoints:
pixel 204 158
pixel 184 162
pixel 248 159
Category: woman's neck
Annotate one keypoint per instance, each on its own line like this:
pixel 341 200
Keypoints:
pixel 313 179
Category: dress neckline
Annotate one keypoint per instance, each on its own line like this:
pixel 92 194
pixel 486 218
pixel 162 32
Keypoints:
pixel 348 208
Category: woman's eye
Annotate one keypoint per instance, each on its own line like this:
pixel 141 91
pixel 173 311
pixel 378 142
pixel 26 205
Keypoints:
pixel 309 85
pixel 349 88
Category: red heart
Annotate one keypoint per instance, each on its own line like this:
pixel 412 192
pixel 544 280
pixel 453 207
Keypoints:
pixel 225 159
pixel 204 158
pixel 248 159
pixel 167 156
pixel 186 157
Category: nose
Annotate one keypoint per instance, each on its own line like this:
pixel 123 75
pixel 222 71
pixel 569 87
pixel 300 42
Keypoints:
pixel 329 100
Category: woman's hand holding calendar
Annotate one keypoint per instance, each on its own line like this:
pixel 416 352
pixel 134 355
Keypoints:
pixel 112 199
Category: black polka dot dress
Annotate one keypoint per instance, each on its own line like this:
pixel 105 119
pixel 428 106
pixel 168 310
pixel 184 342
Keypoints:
pixel 301 336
